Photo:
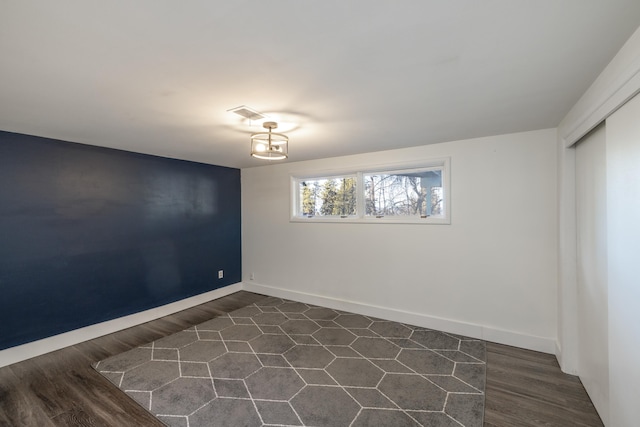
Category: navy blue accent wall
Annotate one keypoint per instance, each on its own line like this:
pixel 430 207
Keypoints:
pixel 89 234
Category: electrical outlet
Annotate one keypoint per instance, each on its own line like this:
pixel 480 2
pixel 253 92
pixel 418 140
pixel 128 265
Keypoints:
pixel 220 274
pixel 251 276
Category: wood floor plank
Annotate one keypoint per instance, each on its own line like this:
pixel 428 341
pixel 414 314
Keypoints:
pixel 102 402
pixel 515 410
pixel 19 407
pixel 540 389
pixel 527 388
pixel 33 378
pixel 524 388
pixel 522 354
pixel 525 382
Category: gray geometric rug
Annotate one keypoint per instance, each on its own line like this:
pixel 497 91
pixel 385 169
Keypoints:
pixel 284 363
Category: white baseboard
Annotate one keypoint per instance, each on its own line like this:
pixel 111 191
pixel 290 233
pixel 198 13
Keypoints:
pixel 530 342
pixel 56 342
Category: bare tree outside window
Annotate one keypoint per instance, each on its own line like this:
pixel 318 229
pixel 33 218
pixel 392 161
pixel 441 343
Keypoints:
pixel 406 194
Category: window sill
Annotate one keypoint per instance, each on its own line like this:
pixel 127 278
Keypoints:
pixel 421 221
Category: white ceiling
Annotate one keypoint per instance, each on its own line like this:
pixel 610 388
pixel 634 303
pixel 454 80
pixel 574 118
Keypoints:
pixel 351 76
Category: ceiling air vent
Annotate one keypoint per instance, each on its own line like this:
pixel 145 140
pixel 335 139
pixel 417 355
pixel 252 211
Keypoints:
pixel 247 113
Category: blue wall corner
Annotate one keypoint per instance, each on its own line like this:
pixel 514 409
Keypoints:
pixel 89 234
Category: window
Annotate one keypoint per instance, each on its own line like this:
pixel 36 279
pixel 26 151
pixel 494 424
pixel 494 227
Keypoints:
pixel 409 195
pixel 334 196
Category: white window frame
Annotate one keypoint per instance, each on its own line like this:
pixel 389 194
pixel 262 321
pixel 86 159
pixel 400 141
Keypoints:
pixel 359 172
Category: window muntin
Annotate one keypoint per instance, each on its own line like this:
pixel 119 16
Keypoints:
pixel 416 192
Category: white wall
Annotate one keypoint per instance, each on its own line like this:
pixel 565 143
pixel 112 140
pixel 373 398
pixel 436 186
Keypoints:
pixel 492 272
pixel 591 215
pixel 623 216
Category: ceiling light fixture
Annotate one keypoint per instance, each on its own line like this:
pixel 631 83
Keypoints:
pixel 269 145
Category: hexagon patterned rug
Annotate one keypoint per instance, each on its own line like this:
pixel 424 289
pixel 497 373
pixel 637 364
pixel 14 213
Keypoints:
pixel 285 363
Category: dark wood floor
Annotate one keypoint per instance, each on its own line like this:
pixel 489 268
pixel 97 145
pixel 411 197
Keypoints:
pixel 524 388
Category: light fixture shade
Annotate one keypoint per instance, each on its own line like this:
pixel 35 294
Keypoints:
pixel 269 145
